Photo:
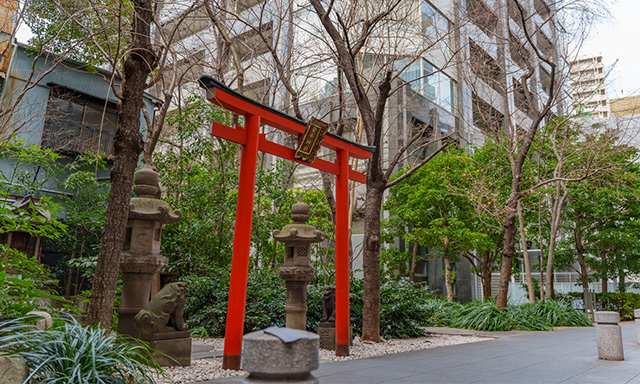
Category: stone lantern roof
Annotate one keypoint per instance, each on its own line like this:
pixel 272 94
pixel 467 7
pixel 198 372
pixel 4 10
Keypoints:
pixel 147 205
pixel 299 231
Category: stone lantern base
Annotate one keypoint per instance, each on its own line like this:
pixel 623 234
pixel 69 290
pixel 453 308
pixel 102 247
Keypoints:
pixel 296 280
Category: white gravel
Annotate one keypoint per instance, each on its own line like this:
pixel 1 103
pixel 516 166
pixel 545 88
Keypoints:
pixel 211 369
pixel 362 349
pixel 199 370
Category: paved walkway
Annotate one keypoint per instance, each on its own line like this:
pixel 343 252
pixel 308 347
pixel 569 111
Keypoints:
pixel 567 355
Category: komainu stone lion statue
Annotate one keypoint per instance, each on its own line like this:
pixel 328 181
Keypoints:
pixel 329 303
pixel 164 312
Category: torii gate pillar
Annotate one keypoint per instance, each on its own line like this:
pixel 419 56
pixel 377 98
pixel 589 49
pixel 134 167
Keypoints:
pixel 249 136
pixel 342 255
pixel 241 246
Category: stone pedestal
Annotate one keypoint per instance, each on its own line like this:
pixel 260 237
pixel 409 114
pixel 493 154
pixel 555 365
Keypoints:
pixel 609 336
pixel 171 349
pixel 137 275
pixel 327 334
pixel 269 360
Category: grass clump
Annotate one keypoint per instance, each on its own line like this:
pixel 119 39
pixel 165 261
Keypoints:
pixel 484 315
pixel 558 313
pixel 487 316
pixel 442 313
pixel 70 353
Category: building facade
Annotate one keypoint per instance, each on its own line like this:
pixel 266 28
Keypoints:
pixel 625 106
pixel 58 104
pixel 590 97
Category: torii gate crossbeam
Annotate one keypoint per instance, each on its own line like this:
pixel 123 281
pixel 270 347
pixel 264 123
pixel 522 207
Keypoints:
pixel 253 141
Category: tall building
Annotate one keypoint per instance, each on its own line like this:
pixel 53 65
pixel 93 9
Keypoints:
pixel 590 98
pixel 462 70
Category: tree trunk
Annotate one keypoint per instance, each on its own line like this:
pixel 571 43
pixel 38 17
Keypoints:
pixel 447 263
pixel 605 275
pixel 486 276
pixel 67 285
pixel 414 262
pixel 622 287
pixel 371 262
pixel 525 256
pixel 508 251
pixel 327 184
pixel 447 273
pixel 541 253
pixel 127 145
pixel 583 267
pixel 551 292
pixel 556 217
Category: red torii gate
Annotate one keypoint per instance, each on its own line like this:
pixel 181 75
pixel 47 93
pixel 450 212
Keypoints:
pixel 252 141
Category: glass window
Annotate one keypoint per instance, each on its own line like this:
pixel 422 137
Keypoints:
pixel 412 74
pixel 428 18
pixel 93 118
pixel 65 110
pixel 426 80
pixel 430 89
pixel 316 81
pixel 78 124
pixel 445 92
pixel 433 22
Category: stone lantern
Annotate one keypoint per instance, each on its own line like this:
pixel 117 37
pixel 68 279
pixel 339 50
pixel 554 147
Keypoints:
pixel 296 270
pixel 140 260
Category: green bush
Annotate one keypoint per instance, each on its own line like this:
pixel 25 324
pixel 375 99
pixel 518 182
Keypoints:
pixel 206 304
pixel 405 308
pixel 622 302
pixel 402 312
pixel 441 313
pixel 526 319
pixel 22 289
pixel 70 353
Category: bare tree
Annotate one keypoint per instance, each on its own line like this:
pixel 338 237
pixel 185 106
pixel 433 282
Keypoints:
pixel 371 32
pixel 122 36
pixel 518 75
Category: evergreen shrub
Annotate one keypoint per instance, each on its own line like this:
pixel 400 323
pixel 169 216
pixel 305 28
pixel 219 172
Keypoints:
pixel 402 310
pixel 622 302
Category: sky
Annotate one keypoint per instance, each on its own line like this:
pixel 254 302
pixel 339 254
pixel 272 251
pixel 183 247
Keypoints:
pixel 617 38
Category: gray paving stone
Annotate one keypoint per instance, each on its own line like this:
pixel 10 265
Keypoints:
pixel 567 355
